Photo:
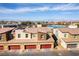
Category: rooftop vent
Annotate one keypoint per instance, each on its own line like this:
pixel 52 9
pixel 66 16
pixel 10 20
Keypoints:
pixel 72 26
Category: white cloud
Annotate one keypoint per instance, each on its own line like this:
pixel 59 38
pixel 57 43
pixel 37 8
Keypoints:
pixel 22 10
pixel 64 7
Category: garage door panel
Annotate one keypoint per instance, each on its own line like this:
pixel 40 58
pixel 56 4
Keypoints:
pixel 30 46
pixel 1 47
pixel 14 47
pixel 45 46
pixel 71 45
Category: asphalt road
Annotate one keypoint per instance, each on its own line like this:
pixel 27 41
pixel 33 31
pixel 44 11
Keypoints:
pixel 46 53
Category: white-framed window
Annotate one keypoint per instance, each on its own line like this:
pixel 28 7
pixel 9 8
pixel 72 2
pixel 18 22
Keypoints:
pixel 33 35
pixel 75 36
pixel 19 35
pixel 42 36
pixel 65 35
pixel 26 35
pixel 0 36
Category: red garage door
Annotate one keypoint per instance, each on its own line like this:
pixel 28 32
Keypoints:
pixel 14 47
pixel 45 46
pixel 1 47
pixel 30 46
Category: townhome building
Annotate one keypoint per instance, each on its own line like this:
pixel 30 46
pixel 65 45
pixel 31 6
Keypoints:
pixel 29 39
pixel 67 37
pixel 5 35
pixel 39 38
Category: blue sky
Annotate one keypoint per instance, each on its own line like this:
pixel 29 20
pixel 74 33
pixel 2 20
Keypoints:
pixel 39 11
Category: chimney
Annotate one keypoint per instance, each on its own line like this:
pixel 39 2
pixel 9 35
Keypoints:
pixel 2 26
pixel 39 25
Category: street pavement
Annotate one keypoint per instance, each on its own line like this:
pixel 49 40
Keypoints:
pixel 41 53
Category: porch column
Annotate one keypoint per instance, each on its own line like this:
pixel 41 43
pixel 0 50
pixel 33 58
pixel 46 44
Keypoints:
pixel 52 47
pixel 38 47
pixel 6 47
pixel 22 48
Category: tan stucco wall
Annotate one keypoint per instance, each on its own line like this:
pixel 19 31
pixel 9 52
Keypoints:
pixel 61 36
pixel 72 36
pixel 50 33
pixel 4 38
pixel 34 35
pixel 23 34
pixel 63 44
pixel 39 36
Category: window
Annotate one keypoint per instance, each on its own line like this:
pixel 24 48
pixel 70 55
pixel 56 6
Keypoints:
pixel 0 37
pixel 33 35
pixel 19 35
pixel 65 35
pixel 26 35
pixel 75 36
pixel 42 36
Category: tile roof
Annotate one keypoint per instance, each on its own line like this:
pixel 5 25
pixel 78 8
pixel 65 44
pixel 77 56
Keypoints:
pixel 39 29
pixel 3 30
pixel 51 40
pixel 70 30
pixel 70 40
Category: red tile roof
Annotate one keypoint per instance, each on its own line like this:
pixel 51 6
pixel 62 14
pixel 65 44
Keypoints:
pixel 70 40
pixel 3 30
pixel 50 40
pixel 70 30
pixel 40 29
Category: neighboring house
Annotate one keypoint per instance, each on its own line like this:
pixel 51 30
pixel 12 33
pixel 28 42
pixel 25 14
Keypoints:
pixel 72 26
pixel 5 35
pixel 30 39
pixel 67 37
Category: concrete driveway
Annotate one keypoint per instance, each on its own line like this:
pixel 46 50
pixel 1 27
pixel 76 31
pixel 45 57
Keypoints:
pixel 40 53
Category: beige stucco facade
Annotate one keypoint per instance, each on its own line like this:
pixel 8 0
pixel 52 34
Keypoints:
pixel 23 38
pixel 35 36
pixel 22 34
pixel 22 46
pixel 32 39
pixel 62 36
